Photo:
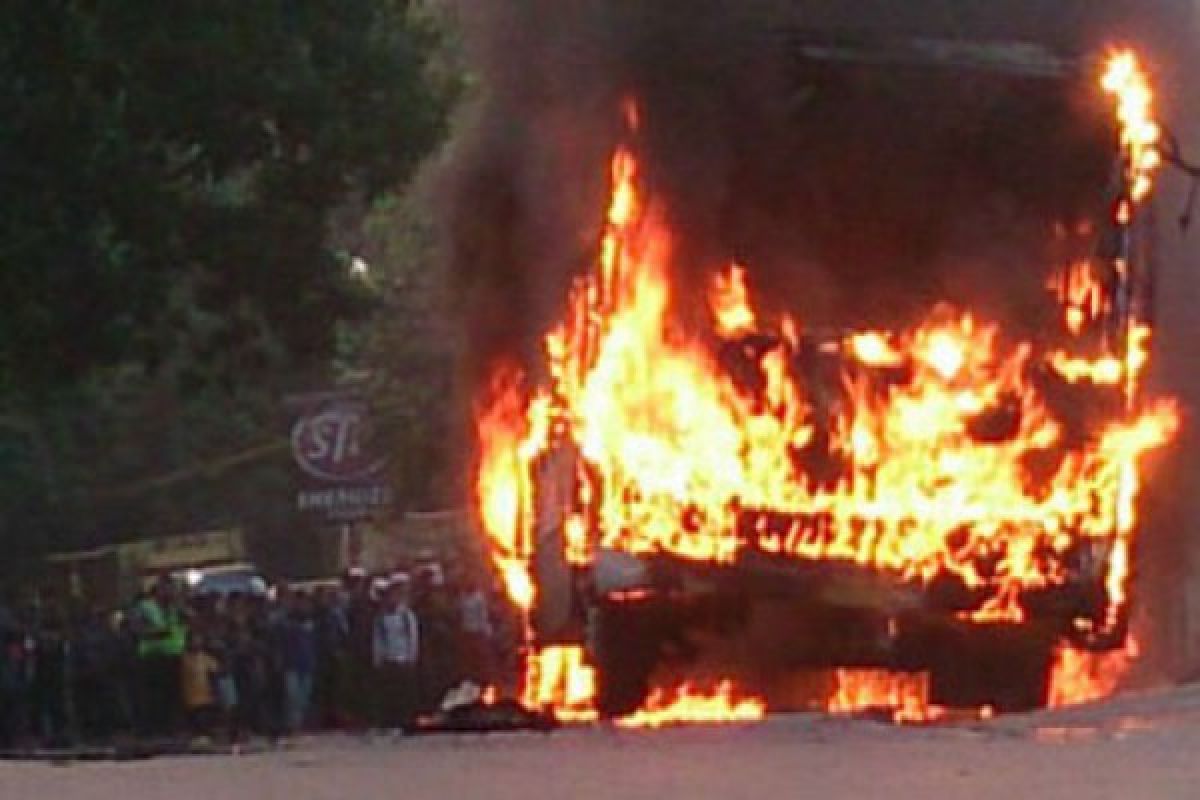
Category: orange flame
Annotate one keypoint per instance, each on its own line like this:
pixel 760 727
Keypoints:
pixel 730 302
pixel 905 696
pixel 669 454
pixel 1079 677
pixel 875 349
pixel 1129 85
pixel 1081 294
pixel 503 484
pixel 557 678
pixel 689 704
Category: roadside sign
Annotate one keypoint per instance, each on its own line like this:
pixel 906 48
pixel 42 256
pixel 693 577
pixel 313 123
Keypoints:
pixel 342 468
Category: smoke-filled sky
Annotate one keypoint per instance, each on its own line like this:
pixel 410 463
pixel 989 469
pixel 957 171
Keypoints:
pixel 853 197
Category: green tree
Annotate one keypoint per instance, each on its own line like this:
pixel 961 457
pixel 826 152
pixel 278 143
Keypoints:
pixel 144 141
pixel 171 174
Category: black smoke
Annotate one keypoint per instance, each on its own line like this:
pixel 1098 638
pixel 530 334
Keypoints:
pixel 855 195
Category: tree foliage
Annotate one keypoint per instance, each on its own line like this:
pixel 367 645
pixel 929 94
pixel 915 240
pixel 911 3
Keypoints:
pixel 172 175
pixel 148 142
pixel 412 351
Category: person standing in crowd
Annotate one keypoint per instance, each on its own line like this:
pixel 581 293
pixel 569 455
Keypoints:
pixel 162 637
pixel 396 648
pixel 249 663
pixel 15 664
pixel 198 671
pixel 475 623
pixel 275 619
pixel 96 651
pixel 127 678
pixel 220 644
pixel 356 701
pixel 438 663
pixel 332 632
pixel 299 663
pixel 265 642
pixel 51 678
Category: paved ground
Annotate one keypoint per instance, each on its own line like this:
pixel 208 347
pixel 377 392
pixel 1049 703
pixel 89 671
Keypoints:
pixel 1141 747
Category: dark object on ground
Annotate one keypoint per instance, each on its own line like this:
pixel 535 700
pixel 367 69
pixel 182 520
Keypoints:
pixel 503 717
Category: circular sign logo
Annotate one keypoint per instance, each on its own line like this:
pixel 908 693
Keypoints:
pixel 332 442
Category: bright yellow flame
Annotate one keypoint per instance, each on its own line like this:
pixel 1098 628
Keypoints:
pixel 688 704
pixel 730 303
pixel 558 678
pixel 1127 82
pixel 874 349
pixel 666 453
pixel 904 695
pixel 1081 295
pixel 1104 371
pixel 1079 677
pixel 944 351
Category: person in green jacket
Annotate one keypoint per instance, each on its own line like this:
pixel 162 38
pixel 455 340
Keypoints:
pixel 161 634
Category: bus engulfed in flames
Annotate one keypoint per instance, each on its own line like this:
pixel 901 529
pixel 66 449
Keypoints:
pixel 946 459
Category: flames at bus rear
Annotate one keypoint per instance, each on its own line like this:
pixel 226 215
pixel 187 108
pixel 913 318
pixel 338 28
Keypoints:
pixel 932 451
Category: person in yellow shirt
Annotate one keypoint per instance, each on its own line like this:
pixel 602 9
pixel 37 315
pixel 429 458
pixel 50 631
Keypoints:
pixel 198 672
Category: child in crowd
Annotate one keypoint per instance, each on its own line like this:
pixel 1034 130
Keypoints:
pixel 199 673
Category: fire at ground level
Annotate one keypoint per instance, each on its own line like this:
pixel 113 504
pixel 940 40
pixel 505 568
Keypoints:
pixel 1132 746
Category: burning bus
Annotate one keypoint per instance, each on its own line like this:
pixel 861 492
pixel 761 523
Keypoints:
pixel 731 483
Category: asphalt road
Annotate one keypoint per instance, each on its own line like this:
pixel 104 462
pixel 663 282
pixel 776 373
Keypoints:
pixel 1140 747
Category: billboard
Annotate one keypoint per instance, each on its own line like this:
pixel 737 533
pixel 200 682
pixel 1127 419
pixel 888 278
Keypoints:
pixel 340 461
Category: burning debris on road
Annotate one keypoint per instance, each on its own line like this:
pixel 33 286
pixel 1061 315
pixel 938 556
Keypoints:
pixel 907 501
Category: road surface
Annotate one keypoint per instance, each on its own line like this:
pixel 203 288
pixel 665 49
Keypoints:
pixel 1140 747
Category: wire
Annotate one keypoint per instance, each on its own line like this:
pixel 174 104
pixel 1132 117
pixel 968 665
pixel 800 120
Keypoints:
pixel 1173 155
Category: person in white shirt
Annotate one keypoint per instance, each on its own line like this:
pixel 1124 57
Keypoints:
pixel 475 625
pixel 395 649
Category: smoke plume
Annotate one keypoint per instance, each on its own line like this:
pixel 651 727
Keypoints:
pixel 853 196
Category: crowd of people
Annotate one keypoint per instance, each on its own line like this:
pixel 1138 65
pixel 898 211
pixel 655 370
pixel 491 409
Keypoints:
pixel 365 654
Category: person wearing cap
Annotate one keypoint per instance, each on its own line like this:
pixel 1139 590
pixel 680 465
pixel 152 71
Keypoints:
pixel 395 651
